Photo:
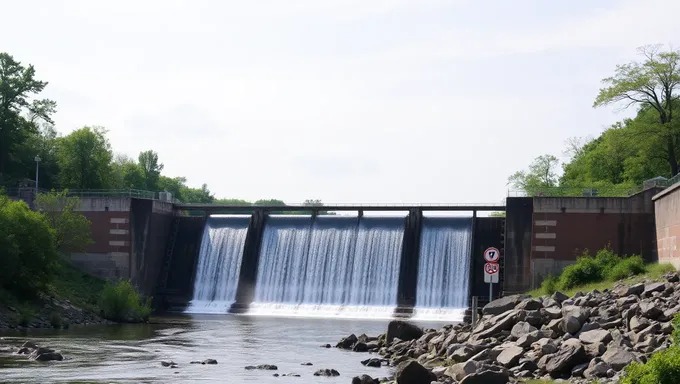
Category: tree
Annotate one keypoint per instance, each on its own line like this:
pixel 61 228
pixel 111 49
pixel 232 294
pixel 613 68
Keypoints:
pixel 270 202
pixel 651 85
pixel 72 229
pixel 196 195
pixel 19 116
pixel 497 214
pixel 84 157
pixel 232 202
pixel 312 203
pixel 151 169
pixel 541 175
pixel 174 185
pixel 27 243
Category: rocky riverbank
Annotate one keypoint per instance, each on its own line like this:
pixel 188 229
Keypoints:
pixel 47 312
pixel 590 336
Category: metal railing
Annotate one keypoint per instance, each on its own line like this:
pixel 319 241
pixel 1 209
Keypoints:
pixel 595 190
pixel 135 193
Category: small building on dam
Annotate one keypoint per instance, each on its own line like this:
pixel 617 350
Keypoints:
pixel 211 258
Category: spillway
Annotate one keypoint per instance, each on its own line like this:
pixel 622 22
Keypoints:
pixel 443 268
pixel 219 263
pixel 330 266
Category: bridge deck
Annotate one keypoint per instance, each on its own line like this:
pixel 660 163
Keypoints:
pixel 340 207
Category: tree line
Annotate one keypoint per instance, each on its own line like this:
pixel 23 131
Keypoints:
pixel 629 151
pixel 82 159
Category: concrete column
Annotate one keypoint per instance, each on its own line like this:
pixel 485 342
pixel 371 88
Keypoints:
pixel 245 292
pixel 408 268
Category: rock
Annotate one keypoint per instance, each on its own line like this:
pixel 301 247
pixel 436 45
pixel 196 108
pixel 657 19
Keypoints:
pixel 374 362
pixel 360 347
pixel 638 324
pixel 571 324
pixel 596 369
pixel 276 375
pixel 167 363
pixel 579 313
pixel 487 377
pixel 595 350
pixel 590 326
pixel 326 346
pixel 595 336
pixel 347 342
pixel 23 351
pixel 48 356
pixel 618 358
pixel 650 310
pixel 209 362
pixel 565 359
pixel 653 287
pixel 307 364
pixel 528 339
pixel 364 379
pixel 460 370
pixel 625 290
pixel 29 344
pixel 552 312
pixel 458 354
pixel 495 325
pixel 510 356
pixel 559 297
pixel 502 305
pixel 520 329
pixel 266 367
pixel 529 305
pixel 402 330
pixel 410 372
pixel 327 372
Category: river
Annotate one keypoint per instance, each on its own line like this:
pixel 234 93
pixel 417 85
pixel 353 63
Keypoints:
pixel 133 353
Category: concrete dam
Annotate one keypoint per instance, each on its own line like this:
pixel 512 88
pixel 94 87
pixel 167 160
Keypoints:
pixel 359 264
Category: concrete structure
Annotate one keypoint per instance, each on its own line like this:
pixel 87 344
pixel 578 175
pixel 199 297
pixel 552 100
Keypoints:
pixel 667 207
pixel 545 234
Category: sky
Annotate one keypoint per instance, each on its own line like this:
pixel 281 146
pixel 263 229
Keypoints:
pixel 347 101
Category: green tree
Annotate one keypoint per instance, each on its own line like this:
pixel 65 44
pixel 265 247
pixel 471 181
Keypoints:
pixel 232 202
pixel 173 185
pixel 127 174
pixel 20 114
pixel 196 195
pixel 270 202
pixel 151 169
pixel 313 203
pixel 652 86
pixel 27 246
pixel 84 158
pixel 542 174
pixel 72 229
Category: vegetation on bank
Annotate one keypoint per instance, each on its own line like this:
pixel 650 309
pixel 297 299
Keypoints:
pixel 31 243
pixel 600 272
pixel 629 151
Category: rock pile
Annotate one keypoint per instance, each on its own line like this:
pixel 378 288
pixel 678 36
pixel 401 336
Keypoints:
pixel 581 338
pixel 32 352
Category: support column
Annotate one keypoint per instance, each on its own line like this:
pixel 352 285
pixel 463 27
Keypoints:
pixel 245 291
pixel 408 268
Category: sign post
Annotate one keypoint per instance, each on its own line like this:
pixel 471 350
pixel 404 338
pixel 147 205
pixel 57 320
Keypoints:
pixel 491 268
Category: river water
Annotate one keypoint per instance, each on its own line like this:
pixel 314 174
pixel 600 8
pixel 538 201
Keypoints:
pixel 133 353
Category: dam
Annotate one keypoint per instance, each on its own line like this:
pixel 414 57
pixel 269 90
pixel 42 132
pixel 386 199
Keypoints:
pixel 356 262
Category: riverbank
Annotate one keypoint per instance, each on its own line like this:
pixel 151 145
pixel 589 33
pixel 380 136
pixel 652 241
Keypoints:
pixel 582 338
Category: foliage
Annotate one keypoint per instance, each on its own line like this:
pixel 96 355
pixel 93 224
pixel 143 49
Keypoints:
pixel 20 115
pixel 151 169
pixel 121 302
pixel 662 368
pixel 28 245
pixel 542 173
pixel 80 288
pixel 72 229
pixel 627 267
pixel 676 329
pixel 497 214
pixel 549 285
pixel 55 320
pixel 84 159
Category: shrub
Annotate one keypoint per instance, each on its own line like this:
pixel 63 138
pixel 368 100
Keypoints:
pixel 121 302
pixel 676 329
pixel 662 368
pixel 29 256
pixel 585 270
pixel 55 320
pixel 606 259
pixel 549 285
pixel 627 267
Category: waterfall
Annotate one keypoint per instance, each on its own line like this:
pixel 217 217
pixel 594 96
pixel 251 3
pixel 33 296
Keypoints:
pixel 443 268
pixel 219 263
pixel 329 266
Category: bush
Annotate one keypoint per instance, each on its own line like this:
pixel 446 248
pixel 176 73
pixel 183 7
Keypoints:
pixel 662 368
pixel 25 316
pixel 627 267
pixel 29 255
pixel 121 302
pixel 585 270
pixel 55 320
pixel 549 285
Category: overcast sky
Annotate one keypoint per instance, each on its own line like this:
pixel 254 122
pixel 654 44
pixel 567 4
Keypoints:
pixel 427 101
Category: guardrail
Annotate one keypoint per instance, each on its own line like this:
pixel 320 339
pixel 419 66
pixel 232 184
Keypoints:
pixel 594 191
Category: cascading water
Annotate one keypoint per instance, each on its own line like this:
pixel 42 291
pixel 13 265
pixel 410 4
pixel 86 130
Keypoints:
pixel 219 264
pixel 335 266
pixel 443 268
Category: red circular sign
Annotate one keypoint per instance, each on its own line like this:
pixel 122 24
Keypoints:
pixel 492 255
pixel 491 268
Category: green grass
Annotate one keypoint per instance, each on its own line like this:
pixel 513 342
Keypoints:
pixel 653 272
pixel 81 289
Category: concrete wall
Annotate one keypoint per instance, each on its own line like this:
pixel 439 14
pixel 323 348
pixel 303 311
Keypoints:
pixel 667 206
pixel 518 232
pixel 488 232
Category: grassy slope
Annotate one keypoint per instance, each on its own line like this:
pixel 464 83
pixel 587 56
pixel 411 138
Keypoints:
pixel 654 272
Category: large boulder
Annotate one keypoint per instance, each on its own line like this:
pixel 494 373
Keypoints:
pixel 411 372
pixel 522 328
pixel 650 310
pixel 327 372
pixel 487 377
pixel 403 330
pixel 571 324
pixel 565 359
pixel 503 304
pixel 510 356
pixel 347 342
pixel 493 326
pixel 529 304
pixel 364 379
pixel 460 370
pixel 618 357
pixel 595 336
